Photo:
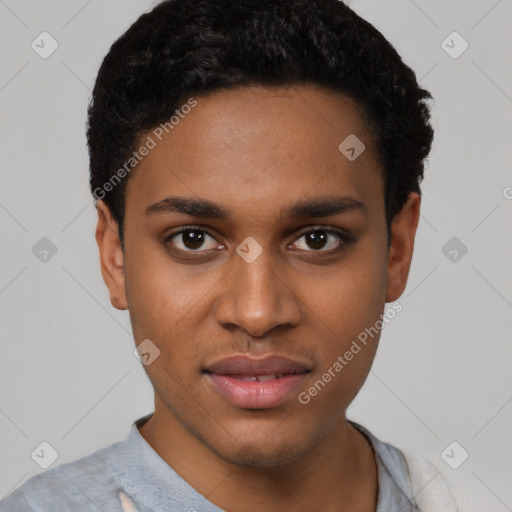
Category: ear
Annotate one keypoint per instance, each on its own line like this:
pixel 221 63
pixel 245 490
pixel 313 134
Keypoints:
pixel 111 256
pixel 403 232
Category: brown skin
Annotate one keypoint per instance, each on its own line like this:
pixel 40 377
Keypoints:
pixel 256 151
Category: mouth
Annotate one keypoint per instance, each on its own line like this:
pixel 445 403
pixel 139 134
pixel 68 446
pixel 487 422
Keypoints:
pixel 260 378
pixel 250 383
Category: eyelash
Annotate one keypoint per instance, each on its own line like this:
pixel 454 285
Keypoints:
pixel 346 239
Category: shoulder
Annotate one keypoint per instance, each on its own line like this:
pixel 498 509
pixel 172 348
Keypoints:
pixel 437 487
pixel 86 484
pixel 434 486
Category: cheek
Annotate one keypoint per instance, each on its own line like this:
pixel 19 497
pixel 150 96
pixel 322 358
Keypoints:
pixel 161 294
pixel 348 308
pixel 352 297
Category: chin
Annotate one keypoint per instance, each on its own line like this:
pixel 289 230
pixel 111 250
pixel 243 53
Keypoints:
pixel 252 455
pixel 274 449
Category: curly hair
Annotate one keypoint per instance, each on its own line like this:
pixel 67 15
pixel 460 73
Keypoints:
pixel 188 47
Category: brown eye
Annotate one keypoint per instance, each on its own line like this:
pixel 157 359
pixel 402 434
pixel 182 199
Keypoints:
pixel 317 239
pixel 323 240
pixel 190 240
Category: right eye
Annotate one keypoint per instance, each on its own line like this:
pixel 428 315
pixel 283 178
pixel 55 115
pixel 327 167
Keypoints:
pixel 189 239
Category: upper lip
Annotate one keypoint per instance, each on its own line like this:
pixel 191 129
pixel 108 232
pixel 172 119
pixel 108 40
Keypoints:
pixel 248 366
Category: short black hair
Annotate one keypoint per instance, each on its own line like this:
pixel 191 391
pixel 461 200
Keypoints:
pixel 183 48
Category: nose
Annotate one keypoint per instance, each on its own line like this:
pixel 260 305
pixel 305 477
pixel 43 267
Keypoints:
pixel 259 296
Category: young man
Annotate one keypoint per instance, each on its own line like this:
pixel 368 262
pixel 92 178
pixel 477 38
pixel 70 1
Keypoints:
pixel 256 166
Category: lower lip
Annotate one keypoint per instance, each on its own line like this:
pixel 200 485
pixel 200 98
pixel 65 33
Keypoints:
pixel 254 394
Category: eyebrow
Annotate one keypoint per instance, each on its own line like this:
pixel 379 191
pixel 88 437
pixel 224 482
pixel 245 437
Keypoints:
pixel 203 208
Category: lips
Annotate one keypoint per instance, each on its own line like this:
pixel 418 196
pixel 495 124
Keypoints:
pixel 251 367
pixel 251 383
pixel 260 378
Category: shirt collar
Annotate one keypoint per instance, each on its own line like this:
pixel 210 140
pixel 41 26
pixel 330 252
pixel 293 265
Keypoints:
pixel 150 482
pixel 392 473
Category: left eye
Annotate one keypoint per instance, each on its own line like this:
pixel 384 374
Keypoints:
pixel 319 239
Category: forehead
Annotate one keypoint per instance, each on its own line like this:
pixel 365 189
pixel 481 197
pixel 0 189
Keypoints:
pixel 259 148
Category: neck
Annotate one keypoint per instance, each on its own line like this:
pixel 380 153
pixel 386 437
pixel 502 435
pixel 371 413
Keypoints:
pixel 338 474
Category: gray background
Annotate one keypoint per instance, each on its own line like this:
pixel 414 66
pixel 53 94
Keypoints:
pixel 442 374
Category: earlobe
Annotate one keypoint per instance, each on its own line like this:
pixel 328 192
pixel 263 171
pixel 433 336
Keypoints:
pixel 403 232
pixel 111 256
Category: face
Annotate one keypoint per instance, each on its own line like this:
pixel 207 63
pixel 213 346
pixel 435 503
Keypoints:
pixel 249 233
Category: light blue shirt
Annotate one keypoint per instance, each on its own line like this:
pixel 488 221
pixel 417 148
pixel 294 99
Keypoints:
pixel 132 471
